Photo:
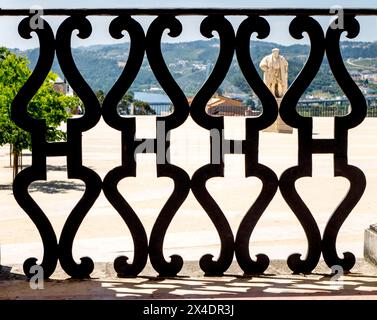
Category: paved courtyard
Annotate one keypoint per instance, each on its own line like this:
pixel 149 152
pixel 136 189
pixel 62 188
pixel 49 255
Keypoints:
pixel 103 235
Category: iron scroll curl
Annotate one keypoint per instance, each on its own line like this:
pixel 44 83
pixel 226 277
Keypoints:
pixel 288 113
pixel 251 145
pixel 197 110
pixel 75 128
pixel 164 167
pixel 127 126
pixel 342 124
pixel 37 129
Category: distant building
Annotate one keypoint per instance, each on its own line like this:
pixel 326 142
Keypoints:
pixel 155 89
pixel 224 106
pixel 63 87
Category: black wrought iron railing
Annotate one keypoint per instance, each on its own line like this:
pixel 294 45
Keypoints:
pixel 232 43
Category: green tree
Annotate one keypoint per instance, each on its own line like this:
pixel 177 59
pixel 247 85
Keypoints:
pixel 100 96
pixel 127 103
pixel 143 108
pixel 124 105
pixel 46 104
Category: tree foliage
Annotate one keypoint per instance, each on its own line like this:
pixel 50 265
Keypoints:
pixel 46 104
pixel 127 103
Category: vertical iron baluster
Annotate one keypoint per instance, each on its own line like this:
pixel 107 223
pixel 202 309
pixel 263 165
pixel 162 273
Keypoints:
pixel 203 174
pixel 75 127
pixel 37 129
pixel 251 145
pixel 342 124
pixel 304 125
pixel 164 168
pixel 127 126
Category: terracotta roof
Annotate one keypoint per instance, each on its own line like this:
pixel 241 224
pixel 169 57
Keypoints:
pixel 223 101
pixel 220 101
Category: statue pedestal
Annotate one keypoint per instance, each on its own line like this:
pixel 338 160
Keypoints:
pixel 370 244
pixel 279 125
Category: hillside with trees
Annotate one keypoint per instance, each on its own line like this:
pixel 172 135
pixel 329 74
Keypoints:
pixel 191 62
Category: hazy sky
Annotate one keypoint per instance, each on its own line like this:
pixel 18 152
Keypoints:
pixel 279 25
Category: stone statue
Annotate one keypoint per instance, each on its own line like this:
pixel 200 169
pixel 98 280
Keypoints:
pixel 275 68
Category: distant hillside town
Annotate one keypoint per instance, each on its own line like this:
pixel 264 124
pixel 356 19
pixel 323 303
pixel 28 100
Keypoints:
pixel 191 63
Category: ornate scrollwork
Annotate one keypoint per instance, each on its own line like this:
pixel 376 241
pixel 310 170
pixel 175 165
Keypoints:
pixel 308 145
pixel 37 129
pixel 198 182
pixel 128 128
pixel 75 127
pixel 227 43
pixel 342 124
pixel 164 168
pixel 250 145
pixel 305 126
pixel 150 44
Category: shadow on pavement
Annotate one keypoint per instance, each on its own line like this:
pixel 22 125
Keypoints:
pixel 7 274
pixel 105 285
pixel 54 186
